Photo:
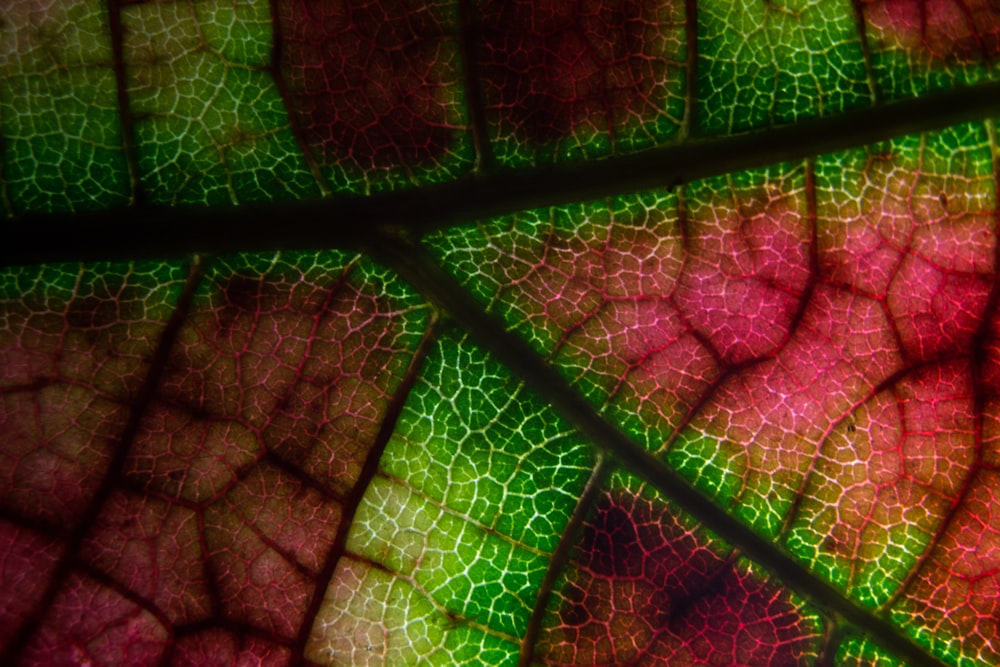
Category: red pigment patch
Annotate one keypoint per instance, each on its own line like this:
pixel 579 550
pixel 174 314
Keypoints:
pixel 646 591
pixel 153 549
pixel 68 370
pixel 221 647
pixel 921 244
pixel 559 68
pixel 938 416
pixel 368 82
pixel 27 560
pixel 300 366
pixel 57 445
pixel 189 458
pixel 957 592
pixel 267 540
pixel 746 274
pixel 898 466
pixel 936 312
pixel 89 624
pixel 990 368
pixel 643 356
pixel 953 31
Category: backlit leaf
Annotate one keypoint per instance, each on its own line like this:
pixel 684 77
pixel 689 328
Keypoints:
pixel 509 333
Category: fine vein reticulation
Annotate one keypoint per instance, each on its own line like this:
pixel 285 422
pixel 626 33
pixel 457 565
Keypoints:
pixel 511 333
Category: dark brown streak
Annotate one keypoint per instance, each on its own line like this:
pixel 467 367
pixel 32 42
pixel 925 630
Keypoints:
pixel 131 233
pixel 210 571
pixel 43 526
pixel 277 43
pixel 137 194
pixel 862 25
pixel 833 636
pixel 690 126
pixel 353 501
pixel 469 36
pixel 143 397
pixel 292 470
pixel 560 557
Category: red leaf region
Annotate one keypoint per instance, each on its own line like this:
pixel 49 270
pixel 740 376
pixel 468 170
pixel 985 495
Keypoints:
pixel 948 30
pixel 368 82
pixel 559 68
pixel 646 591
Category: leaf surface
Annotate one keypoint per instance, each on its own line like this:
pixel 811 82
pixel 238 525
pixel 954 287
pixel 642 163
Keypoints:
pixel 546 333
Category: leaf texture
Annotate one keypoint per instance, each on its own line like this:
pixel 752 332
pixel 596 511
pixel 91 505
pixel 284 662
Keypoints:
pixel 509 333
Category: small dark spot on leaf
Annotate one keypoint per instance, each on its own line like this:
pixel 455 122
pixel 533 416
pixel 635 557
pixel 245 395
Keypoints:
pixel 611 543
pixel 242 293
pixel 682 604
pixel 575 612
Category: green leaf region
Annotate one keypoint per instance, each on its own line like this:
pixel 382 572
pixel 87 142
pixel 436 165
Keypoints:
pixel 468 332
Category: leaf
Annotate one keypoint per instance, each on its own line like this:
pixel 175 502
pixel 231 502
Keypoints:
pixel 499 333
